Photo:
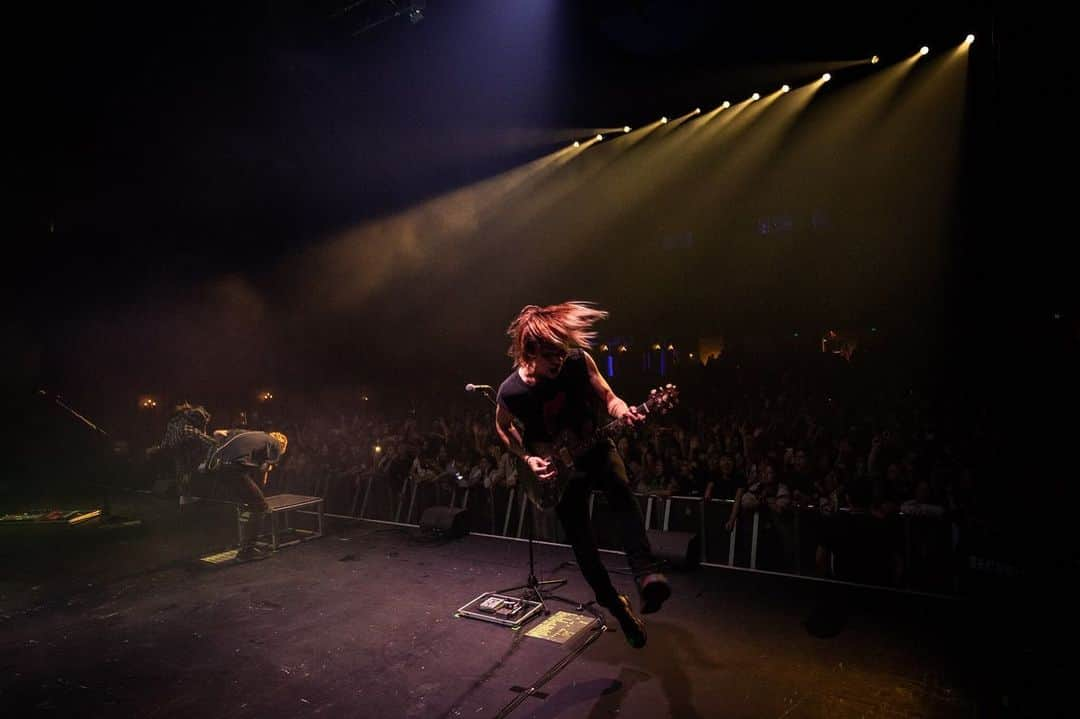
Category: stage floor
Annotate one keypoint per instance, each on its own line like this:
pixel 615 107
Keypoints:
pixel 361 623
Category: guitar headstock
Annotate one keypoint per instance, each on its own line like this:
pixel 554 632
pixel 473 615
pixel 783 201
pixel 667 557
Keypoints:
pixel 662 399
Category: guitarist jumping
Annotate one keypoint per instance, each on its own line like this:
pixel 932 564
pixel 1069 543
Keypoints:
pixel 557 391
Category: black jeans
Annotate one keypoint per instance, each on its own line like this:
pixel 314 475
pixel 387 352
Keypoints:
pixel 603 469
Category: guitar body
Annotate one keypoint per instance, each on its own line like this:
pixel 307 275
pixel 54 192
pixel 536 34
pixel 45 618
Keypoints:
pixel 568 447
pixel 547 493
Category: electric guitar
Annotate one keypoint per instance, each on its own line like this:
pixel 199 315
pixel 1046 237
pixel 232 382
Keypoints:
pixel 561 453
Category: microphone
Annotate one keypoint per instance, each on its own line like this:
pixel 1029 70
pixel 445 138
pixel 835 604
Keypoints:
pixel 478 387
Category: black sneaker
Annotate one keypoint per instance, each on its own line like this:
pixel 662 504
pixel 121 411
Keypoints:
pixel 655 590
pixel 632 626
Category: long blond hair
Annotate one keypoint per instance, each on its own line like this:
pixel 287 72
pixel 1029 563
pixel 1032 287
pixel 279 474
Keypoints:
pixel 569 324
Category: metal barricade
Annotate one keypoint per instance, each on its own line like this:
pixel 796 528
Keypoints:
pixel 857 546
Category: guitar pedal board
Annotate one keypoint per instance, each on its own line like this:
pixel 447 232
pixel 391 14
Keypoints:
pixel 500 609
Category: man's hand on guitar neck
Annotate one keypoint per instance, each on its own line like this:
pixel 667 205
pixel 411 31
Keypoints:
pixel 542 468
pixel 625 413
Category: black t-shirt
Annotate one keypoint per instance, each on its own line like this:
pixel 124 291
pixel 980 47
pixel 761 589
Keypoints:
pixel 726 487
pixel 550 406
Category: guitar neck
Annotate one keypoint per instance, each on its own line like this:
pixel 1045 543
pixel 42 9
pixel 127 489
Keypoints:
pixel 613 425
pixel 608 429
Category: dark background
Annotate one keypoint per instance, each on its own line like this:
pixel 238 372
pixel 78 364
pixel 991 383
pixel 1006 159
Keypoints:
pixel 177 167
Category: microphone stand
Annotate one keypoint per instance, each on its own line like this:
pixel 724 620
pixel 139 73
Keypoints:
pixel 532 586
pixel 107 516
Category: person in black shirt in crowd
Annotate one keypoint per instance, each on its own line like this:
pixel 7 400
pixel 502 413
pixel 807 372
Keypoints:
pixel 556 387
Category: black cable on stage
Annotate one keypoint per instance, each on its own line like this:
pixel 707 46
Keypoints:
pixel 549 674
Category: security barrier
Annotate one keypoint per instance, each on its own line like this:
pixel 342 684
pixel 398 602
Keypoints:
pixel 917 552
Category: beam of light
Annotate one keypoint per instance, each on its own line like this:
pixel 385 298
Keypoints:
pixel 613 182
pixel 731 116
pixel 708 116
pixel 519 139
pixel 727 156
pixel 610 185
pixel 610 135
pixel 961 50
pixel 452 231
pixel 871 144
pixel 357 263
pixel 926 118
pixel 728 142
pixel 764 101
pixel 924 50
pixel 670 125
pixel 683 118
pixel 586 144
pixel 866 101
pixel 631 136
pixel 637 177
pixel 705 121
pixel 542 204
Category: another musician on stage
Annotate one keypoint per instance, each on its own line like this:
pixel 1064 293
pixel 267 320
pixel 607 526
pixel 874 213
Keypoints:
pixel 243 458
pixel 556 386
pixel 186 443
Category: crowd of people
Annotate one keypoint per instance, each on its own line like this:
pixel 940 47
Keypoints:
pixel 818 447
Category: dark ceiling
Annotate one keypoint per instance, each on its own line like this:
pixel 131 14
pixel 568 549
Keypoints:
pixel 164 145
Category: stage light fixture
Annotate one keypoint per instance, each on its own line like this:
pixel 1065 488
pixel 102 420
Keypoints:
pixel 663 120
pixel 697 110
pixel 826 77
pixel 755 97
pixel 626 128
pixel 785 88
pixel 924 50
pixel 969 39
pixel 726 105
pixel 599 138
pixel 875 60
